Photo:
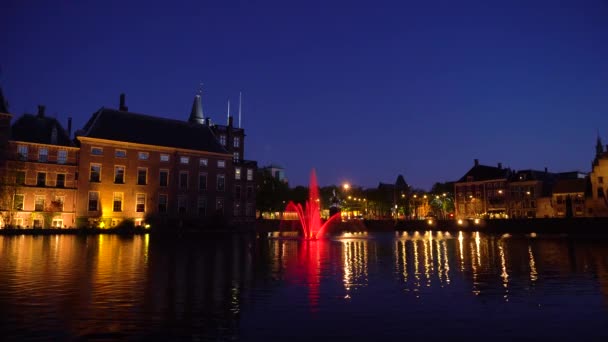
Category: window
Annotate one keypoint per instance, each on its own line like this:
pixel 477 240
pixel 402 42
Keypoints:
pixel 119 174
pixel 202 182
pixel 183 180
pixel 140 203
pixel 223 139
pixel 142 176
pixel 201 206
pixel 237 173
pixel 249 209
pixel 249 192
pixel 120 153
pixel 62 157
pixel 237 209
pixel 237 156
pixel 182 204
pixel 20 178
pixel 203 162
pixel 164 178
pixel 237 192
pixel 184 160
pixel 18 202
pixel 164 157
pixel 249 174
pixel 219 206
pixel 57 223
pixel 96 151
pixel 236 142
pixel 95 175
pixel 41 179
pixel 221 163
pixel 600 180
pixel 57 204
pixel 60 181
pixel 162 203
pixel 93 200
pixel 39 203
pixel 221 182
pixel 117 202
pixel 43 155
pixel 22 152
pixel 143 155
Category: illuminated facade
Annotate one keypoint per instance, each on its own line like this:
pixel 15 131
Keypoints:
pixel 38 172
pixel 598 201
pixel 147 168
pixel 568 198
pixel 482 191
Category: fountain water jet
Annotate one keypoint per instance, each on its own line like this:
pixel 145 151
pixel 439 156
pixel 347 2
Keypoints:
pixel 310 215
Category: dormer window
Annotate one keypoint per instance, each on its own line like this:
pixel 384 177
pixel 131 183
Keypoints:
pixel 223 139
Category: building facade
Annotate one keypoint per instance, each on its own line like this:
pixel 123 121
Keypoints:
pixel 598 199
pixel 483 190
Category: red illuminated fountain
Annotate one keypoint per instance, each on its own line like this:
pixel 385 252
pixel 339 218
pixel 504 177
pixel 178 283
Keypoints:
pixel 310 215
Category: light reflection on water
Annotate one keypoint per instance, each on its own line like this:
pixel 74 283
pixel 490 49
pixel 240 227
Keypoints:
pixel 240 287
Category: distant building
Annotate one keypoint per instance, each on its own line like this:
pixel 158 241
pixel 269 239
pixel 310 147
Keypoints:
pixel 598 201
pixel 278 172
pixel 39 171
pixel 568 197
pixel 483 190
pixel 530 194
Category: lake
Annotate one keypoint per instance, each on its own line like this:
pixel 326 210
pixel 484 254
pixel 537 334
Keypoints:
pixel 359 286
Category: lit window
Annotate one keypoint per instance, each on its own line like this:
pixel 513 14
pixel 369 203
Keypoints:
pixel 221 183
pixel 249 174
pixel 164 157
pixel 58 203
pixel 184 160
pixel 96 151
pixel 143 155
pixel 164 178
pixel 95 174
pixel 62 157
pixel 223 140
pixel 93 200
pixel 221 163
pixel 39 203
pixel 203 162
pixel 43 155
pixel 22 152
pixel 237 156
pixel 18 202
pixel 237 173
pixel 57 223
pixel 237 142
pixel 119 174
pixel 60 181
pixel 142 176
pixel 162 203
pixel 120 154
pixel 202 182
pixel 140 203
pixel 117 204
pixel 183 180
pixel 41 179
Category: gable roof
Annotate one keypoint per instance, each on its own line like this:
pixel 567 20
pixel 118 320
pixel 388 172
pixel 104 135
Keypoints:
pixel 564 186
pixel 131 127
pixel 484 172
pixel 40 129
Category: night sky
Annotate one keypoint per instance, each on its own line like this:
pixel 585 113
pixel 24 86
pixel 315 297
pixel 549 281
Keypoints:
pixel 360 90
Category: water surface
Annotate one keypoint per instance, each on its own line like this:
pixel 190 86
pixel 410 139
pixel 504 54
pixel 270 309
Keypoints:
pixel 425 286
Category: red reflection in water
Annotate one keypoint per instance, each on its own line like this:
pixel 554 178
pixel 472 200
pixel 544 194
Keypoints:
pixel 310 216
pixel 307 269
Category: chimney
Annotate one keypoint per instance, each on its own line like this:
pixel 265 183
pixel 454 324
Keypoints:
pixel 230 119
pixel 476 162
pixel 207 122
pixel 546 170
pixel 500 166
pixel 123 107
pixel 40 111
pixel 70 127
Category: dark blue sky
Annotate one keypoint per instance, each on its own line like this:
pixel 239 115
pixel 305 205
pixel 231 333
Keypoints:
pixel 360 90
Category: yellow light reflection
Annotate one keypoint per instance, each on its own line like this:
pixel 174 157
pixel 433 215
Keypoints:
pixel 504 275
pixel 533 272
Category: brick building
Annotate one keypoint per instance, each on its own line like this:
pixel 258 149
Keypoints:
pixel 482 191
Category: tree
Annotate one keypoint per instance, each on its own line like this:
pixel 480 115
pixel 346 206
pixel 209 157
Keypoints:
pixel 271 193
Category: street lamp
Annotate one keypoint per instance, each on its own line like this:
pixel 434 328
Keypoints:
pixel 346 186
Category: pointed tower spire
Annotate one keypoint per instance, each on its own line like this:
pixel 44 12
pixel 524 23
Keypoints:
pixel 196 115
pixel 240 101
pixel 3 103
pixel 599 148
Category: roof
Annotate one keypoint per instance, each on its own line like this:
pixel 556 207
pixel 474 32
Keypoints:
pixel 565 186
pixel 40 129
pixel 131 127
pixel 483 173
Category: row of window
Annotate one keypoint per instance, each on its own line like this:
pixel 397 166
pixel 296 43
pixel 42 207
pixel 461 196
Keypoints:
pixel 43 154
pixel 56 205
pixel 236 141
pixel 203 162
pixel 163 204
pixel 41 179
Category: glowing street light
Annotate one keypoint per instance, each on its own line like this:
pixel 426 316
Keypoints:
pixel 346 186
